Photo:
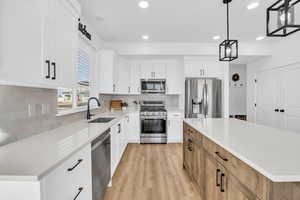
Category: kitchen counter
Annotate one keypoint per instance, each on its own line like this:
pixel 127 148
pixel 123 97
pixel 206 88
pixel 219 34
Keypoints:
pixel 272 152
pixel 32 158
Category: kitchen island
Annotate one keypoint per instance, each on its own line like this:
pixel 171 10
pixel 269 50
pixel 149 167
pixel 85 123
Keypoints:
pixel 233 159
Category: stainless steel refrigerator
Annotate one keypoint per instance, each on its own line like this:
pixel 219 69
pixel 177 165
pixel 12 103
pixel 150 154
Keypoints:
pixel 203 98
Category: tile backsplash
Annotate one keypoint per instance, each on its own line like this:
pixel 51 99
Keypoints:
pixel 25 112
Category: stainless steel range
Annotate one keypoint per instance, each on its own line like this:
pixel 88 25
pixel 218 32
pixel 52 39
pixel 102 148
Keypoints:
pixel 153 122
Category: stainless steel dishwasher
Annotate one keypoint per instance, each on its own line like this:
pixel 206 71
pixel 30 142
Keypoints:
pixel 101 165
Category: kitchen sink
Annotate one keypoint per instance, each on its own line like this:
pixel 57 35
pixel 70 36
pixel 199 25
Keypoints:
pixel 102 120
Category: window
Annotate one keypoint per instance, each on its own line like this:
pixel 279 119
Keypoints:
pixel 69 99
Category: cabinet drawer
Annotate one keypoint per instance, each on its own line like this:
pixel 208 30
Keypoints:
pixel 251 179
pixel 70 178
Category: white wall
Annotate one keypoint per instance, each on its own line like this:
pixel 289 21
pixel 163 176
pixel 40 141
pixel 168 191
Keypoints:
pixel 284 53
pixel 238 90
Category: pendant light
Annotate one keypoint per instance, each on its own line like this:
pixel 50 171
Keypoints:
pixel 281 18
pixel 228 49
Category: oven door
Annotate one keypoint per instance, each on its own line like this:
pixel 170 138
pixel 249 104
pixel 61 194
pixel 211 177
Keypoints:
pixel 153 86
pixel 153 127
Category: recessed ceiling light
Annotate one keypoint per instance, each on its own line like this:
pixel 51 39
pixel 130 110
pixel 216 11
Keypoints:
pixel 144 4
pixel 253 5
pixel 259 38
pixel 145 37
pixel 217 37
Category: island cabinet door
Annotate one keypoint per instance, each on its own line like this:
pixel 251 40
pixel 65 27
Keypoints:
pixel 198 166
pixel 236 191
pixel 215 180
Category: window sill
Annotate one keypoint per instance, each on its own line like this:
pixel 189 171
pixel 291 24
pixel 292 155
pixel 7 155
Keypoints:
pixel 74 110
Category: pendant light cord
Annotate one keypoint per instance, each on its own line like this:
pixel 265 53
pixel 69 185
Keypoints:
pixel 227 21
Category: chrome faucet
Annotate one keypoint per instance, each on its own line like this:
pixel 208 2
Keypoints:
pixel 88 114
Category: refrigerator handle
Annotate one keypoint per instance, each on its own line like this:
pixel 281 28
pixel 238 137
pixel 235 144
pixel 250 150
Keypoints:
pixel 205 100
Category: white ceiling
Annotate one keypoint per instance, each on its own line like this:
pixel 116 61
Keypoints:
pixel 174 20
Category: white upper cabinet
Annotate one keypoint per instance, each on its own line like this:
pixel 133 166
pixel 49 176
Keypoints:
pixel 147 70
pixel 107 67
pixel 175 79
pixel 159 70
pixel 38 51
pixel 123 77
pixel 203 67
pixel 135 82
pixel 153 70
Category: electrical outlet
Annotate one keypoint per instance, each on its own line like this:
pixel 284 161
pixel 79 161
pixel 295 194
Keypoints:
pixel 31 110
pixel 44 109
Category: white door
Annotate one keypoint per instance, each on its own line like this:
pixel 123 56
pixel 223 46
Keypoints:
pixel 269 91
pixel 291 107
pixel 135 80
pixel 66 45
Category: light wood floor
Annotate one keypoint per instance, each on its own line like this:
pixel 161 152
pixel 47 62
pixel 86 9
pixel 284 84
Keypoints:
pixel 152 172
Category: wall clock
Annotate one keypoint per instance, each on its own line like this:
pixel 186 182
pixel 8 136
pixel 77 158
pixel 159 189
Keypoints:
pixel 235 77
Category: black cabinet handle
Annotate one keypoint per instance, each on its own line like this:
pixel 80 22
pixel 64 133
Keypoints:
pixel 54 71
pixel 78 162
pixel 190 147
pixel 48 70
pixel 222 183
pixel 217 177
pixel 119 128
pixel 282 110
pixel 276 110
pixel 78 193
pixel 219 155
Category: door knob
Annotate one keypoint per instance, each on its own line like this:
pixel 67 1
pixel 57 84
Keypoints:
pixel 276 110
pixel 282 110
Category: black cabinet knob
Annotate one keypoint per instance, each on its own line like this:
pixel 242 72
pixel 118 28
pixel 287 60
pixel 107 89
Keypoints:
pixel 276 110
pixel 282 110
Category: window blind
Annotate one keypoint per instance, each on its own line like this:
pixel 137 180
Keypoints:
pixel 83 67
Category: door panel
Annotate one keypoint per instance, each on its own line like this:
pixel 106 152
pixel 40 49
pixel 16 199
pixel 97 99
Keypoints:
pixel 269 98
pixel 236 191
pixel 292 98
pixel 211 178
pixel 66 45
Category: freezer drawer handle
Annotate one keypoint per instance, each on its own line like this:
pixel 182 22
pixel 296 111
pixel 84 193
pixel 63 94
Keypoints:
pixel 79 191
pixel 78 162
pixel 219 155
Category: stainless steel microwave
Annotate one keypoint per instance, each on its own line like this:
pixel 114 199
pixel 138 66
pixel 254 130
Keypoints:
pixel 153 86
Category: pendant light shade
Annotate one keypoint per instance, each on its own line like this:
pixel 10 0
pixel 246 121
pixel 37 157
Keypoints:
pixel 281 18
pixel 228 49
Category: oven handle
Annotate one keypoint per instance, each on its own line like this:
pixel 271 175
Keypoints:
pixel 152 117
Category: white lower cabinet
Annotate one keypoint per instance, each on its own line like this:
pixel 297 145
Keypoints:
pixel 119 142
pixel 72 178
pixel 133 133
pixel 175 127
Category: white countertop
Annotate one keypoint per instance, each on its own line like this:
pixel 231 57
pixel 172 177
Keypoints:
pixel 32 158
pixel 272 152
